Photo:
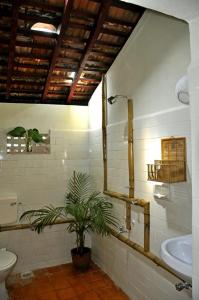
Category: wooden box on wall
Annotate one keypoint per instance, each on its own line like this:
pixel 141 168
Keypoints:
pixel 172 167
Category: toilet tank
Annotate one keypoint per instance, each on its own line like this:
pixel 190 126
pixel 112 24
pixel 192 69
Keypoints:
pixel 8 209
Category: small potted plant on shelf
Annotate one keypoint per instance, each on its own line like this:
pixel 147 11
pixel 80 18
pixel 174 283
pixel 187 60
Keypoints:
pixel 29 135
pixel 87 210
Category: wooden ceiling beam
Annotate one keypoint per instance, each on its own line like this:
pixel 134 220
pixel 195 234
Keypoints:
pixel 69 60
pixel 115 32
pixel 61 77
pixel 83 86
pixel 65 69
pixel 28 75
pixel 34 45
pixel 14 90
pixel 97 62
pixel 13 36
pixel 76 25
pixel 104 54
pixel 30 66
pixel 96 1
pixel 38 18
pixel 42 5
pixel 83 93
pixel 74 39
pixel 57 92
pixel 72 50
pixel 102 14
pixel 83 14
pixel 116 45
pixel 30 33
pixel 128 6
pixel 95 69
pixel 64 24
pixel 120 22
pixel 27 83
pixel 98 79
pixel 59 85
pixel 33 56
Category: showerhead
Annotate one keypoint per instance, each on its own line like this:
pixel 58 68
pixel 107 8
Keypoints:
pixel 112 99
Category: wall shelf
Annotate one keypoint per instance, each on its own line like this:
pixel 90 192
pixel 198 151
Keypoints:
pixel 172 167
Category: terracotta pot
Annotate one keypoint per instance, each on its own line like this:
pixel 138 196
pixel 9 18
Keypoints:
pixel 81 261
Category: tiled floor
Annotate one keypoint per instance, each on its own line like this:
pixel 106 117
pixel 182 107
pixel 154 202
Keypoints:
pixel 64 283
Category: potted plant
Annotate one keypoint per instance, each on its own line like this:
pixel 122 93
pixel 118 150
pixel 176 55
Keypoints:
pixel 87 210
pixel 29 134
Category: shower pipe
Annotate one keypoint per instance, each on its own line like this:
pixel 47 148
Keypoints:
pixel 130 148
pixel 129 200
pixel 155 259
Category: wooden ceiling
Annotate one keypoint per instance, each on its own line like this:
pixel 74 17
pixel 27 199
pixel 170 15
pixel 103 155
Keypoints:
pixel 64 68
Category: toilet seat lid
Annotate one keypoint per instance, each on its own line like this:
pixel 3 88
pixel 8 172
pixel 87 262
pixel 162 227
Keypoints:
pixel 7 259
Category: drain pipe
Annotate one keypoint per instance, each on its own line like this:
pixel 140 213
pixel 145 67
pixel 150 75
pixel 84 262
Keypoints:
pixel 183 285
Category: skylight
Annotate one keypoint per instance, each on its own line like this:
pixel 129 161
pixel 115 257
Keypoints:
pixel 44 27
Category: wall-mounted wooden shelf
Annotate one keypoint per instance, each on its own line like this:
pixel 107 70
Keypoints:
pixel 172 167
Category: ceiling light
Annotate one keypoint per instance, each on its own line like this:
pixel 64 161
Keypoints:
pixel 44 27
pixel 72 75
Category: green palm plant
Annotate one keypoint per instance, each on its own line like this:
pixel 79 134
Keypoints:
pixel 87 210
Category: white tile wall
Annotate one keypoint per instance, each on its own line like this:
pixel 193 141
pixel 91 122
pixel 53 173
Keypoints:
pixel 135 274
pixel 39 180
pixel 149 78
pixel 194 93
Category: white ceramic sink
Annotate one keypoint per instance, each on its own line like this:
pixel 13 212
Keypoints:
pixel 177 253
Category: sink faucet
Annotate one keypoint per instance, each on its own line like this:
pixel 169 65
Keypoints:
pixel 122 229
pixel 183 285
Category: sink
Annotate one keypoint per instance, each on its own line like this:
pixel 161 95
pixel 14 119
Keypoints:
pixel 177 254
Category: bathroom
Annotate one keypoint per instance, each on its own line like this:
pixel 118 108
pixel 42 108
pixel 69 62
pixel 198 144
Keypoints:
pixel 160 50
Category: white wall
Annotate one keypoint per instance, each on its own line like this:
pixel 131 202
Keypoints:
pixel 182 9
pixel 41 179
pixel 156 55
pixel 194 96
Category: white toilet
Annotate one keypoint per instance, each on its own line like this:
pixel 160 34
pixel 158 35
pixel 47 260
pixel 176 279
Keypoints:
pixel 8 215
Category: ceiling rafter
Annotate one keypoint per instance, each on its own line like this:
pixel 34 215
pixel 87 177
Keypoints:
pixel 35 51
pixel 103 13
pixel 13 35
pixel 36 18
pixel 64 24
pixel 39 4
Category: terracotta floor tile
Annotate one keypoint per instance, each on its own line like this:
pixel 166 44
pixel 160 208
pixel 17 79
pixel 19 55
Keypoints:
pixel 59 281
pixel 66 294
pixel 47 296
pixel 65 283
pixel 54 269
pixel 113 293
pixel 89 296
pixel 81 288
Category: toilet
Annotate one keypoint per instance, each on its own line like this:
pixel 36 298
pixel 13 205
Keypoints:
pixel 8 215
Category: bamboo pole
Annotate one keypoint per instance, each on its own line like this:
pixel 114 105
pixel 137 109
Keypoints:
pixel 130 149
pixel 141 250
pixel 139 202
pixel 104 134
pixel 130 163
pixel 114 233
pixel 28 226
pixel 147 227
pixel 125 198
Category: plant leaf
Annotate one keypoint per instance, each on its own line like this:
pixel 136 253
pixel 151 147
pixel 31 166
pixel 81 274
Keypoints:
pixel 37 137
pixel 17 132
pixel 39 218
